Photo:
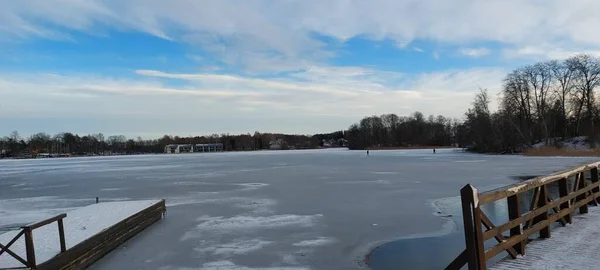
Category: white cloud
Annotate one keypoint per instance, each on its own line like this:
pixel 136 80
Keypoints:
pixel 542 52
pixel 344 95
pixel 436 55
pixel 270 36
pixel 417 49
pixel 475 52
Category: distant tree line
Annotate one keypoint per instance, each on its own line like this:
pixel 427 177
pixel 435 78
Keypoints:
pixel 98 144
pixel 544 102
pixel 390 130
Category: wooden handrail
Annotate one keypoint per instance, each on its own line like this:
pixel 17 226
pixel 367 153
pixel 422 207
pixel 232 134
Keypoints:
pixel 543 212
pixel 45 222
pixel 504 192
pixel 27 231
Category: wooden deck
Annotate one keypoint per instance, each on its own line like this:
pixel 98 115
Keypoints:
pixel 572 247
pixel 91 232
pixel 534 207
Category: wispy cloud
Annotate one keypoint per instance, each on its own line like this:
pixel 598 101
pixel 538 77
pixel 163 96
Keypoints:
pixel 261 34
pixel 324 90
pixel 475 52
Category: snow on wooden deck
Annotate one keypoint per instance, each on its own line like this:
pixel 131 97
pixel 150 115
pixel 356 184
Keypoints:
pixel 80 224
pixel 575 246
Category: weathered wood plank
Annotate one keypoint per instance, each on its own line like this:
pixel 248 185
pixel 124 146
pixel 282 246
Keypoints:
pixel 504 192
pixel 543 200
pixel 514 212
pixel 563 191
pixel 45 222
pixel 467 196
pixel 499 237
pixel 458 262
pixel 582 184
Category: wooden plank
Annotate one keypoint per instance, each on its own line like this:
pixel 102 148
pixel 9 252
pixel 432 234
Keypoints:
pixel 534 205
pixel 504 192
pixel 499 237
pixel 514 212
pixel 3 248
pixel 563 191
pixel 562 220
pixel 29 248
pixel 467 198
pixel 61 236
pixel 14 255
pixel 594 179
pixel 527 216
pixel 582 184
pixel 537 227
pixel 45 222
pixel 543 200
pixel 458 262
pixel 477 213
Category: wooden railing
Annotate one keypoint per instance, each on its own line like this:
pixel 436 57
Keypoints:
pixel 543 211
pixel 29 246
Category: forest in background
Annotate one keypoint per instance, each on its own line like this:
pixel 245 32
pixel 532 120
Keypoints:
pixel 543 102
pixel 98 144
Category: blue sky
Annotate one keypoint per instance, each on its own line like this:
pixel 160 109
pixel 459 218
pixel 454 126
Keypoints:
pixel 149 67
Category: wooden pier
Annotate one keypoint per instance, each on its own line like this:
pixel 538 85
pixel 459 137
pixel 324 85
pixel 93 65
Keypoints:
pixel 555 199
pixel 83 253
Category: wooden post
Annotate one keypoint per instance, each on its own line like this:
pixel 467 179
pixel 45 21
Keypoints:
pixel 472 224
pixel 594 175
pixel 563 191
pixel 544 232
pixel 29 248
pixel 514 212
pixel 582 184
pixel 61 235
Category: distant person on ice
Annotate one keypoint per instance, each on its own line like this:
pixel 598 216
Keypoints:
pixel 434 150
pixel 367 152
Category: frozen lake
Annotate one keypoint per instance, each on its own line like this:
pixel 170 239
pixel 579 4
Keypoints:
pixel 313 209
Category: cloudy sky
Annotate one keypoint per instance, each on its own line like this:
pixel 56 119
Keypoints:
pixel 193 67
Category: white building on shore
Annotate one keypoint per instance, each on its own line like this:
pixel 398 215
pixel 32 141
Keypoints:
pixel 191 148
pixel 209 147
pixel 179 148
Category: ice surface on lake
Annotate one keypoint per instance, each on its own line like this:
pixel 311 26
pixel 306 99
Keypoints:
pixel 309 209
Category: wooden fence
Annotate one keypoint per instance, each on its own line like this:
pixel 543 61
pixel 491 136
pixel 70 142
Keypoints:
pixel 29 247
pixel 575 191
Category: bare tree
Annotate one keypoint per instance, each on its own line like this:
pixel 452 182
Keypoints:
pixel 587 70
pixel 563 76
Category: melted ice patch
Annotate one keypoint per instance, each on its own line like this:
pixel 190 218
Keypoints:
pixel 321 241
pixel 226 265
pixel 248 223
pixel 254 222
pixel 237 247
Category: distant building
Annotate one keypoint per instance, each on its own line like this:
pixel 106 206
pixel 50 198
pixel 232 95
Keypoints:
pixel 179 148
pixel 209 147
pixel 276 144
